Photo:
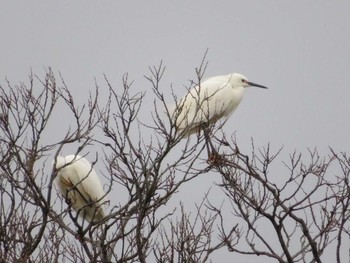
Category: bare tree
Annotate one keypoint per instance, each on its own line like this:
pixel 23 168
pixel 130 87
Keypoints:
pixel 300 214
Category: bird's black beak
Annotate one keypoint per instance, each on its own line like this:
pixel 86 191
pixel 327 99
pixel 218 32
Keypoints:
pixel 255 85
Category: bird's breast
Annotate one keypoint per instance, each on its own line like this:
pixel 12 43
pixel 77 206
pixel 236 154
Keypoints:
pixel 232 100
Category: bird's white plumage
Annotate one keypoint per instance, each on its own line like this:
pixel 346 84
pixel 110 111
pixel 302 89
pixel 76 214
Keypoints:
pixel 81 187
pixel 213 99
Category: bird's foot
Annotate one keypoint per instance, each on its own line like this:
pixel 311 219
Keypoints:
pixel 215 159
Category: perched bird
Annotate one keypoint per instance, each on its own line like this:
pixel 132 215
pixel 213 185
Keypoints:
pixel 81 187
pixel 213 99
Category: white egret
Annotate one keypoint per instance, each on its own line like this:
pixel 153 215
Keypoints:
pixel 81 187
pixel 213 99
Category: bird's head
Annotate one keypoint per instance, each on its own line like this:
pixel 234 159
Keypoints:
pixel 239 80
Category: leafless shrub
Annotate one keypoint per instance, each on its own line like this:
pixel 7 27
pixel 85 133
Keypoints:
pixel 299 217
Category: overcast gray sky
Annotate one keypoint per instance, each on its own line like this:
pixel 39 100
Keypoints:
pixel 299 49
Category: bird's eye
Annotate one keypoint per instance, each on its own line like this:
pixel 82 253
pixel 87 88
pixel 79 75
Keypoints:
pixel 243 80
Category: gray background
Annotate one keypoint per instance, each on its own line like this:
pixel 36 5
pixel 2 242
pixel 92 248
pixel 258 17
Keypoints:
pixel 299 49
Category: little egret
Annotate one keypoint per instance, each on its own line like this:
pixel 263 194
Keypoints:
pixel 205 104
pixel 81 187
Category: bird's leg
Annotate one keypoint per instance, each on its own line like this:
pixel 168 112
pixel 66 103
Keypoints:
pixel 210 147
pixel 207 135
pixel 214 158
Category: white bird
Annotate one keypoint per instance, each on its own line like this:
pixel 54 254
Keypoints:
pixel 81 187
pixel 205 104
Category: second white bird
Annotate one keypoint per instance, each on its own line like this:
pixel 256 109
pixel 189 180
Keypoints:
pixel 81 187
